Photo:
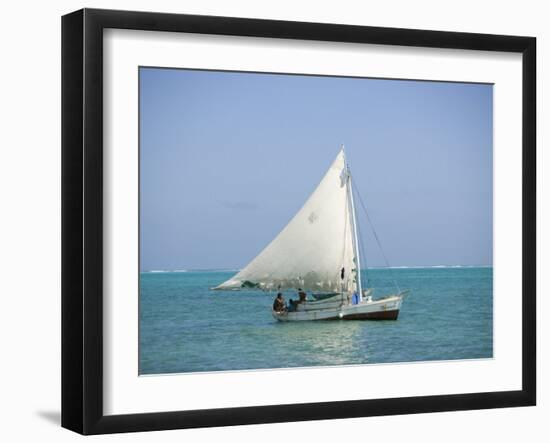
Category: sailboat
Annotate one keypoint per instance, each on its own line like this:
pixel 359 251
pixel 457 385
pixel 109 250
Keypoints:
pixel 317 255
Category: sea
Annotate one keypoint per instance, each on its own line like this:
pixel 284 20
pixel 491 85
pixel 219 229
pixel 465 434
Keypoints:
pixel 185 327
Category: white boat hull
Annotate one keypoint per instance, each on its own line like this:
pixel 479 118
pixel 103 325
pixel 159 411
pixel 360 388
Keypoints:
pixel 383 309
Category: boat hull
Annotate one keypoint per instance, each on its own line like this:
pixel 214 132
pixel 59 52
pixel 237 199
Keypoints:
pixel 379 315
pixel 383 309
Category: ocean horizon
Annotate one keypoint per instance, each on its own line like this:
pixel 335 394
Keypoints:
pixel 362 269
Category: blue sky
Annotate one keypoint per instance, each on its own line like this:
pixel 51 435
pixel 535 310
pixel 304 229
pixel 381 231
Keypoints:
pixel 226 160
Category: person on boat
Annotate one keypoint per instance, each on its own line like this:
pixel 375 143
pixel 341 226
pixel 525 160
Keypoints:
pixel 302 295
pixel 292 305
pixel 279 303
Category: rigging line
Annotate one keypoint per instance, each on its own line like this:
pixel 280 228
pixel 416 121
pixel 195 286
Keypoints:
pixel 344 243
pixel 376 237
pixel 363 255
pixel 361 248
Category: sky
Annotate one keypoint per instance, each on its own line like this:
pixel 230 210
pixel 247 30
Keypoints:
pixel 227 159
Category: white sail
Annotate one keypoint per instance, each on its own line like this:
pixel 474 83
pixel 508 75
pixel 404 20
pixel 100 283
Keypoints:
pixel 312 249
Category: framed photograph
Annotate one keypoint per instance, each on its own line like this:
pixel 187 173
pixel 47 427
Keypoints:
pixel 269 221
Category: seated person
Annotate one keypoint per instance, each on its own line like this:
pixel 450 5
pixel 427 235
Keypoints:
pixel 292 305
pixel 302 295
pixel 279 303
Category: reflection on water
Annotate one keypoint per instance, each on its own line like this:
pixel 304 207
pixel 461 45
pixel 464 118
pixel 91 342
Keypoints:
pixel 320 343
pixel 185 327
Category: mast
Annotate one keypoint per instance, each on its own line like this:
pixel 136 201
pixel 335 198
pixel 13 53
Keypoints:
pixel 354 232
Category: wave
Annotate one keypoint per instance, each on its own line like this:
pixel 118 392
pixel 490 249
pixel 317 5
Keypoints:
pixel 164 271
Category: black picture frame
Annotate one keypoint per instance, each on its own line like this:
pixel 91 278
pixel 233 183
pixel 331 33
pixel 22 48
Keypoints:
pixel 82 218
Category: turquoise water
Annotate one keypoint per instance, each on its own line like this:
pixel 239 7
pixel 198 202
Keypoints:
pixel 185 327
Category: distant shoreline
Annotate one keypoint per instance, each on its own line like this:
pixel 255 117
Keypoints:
pixel 172 271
